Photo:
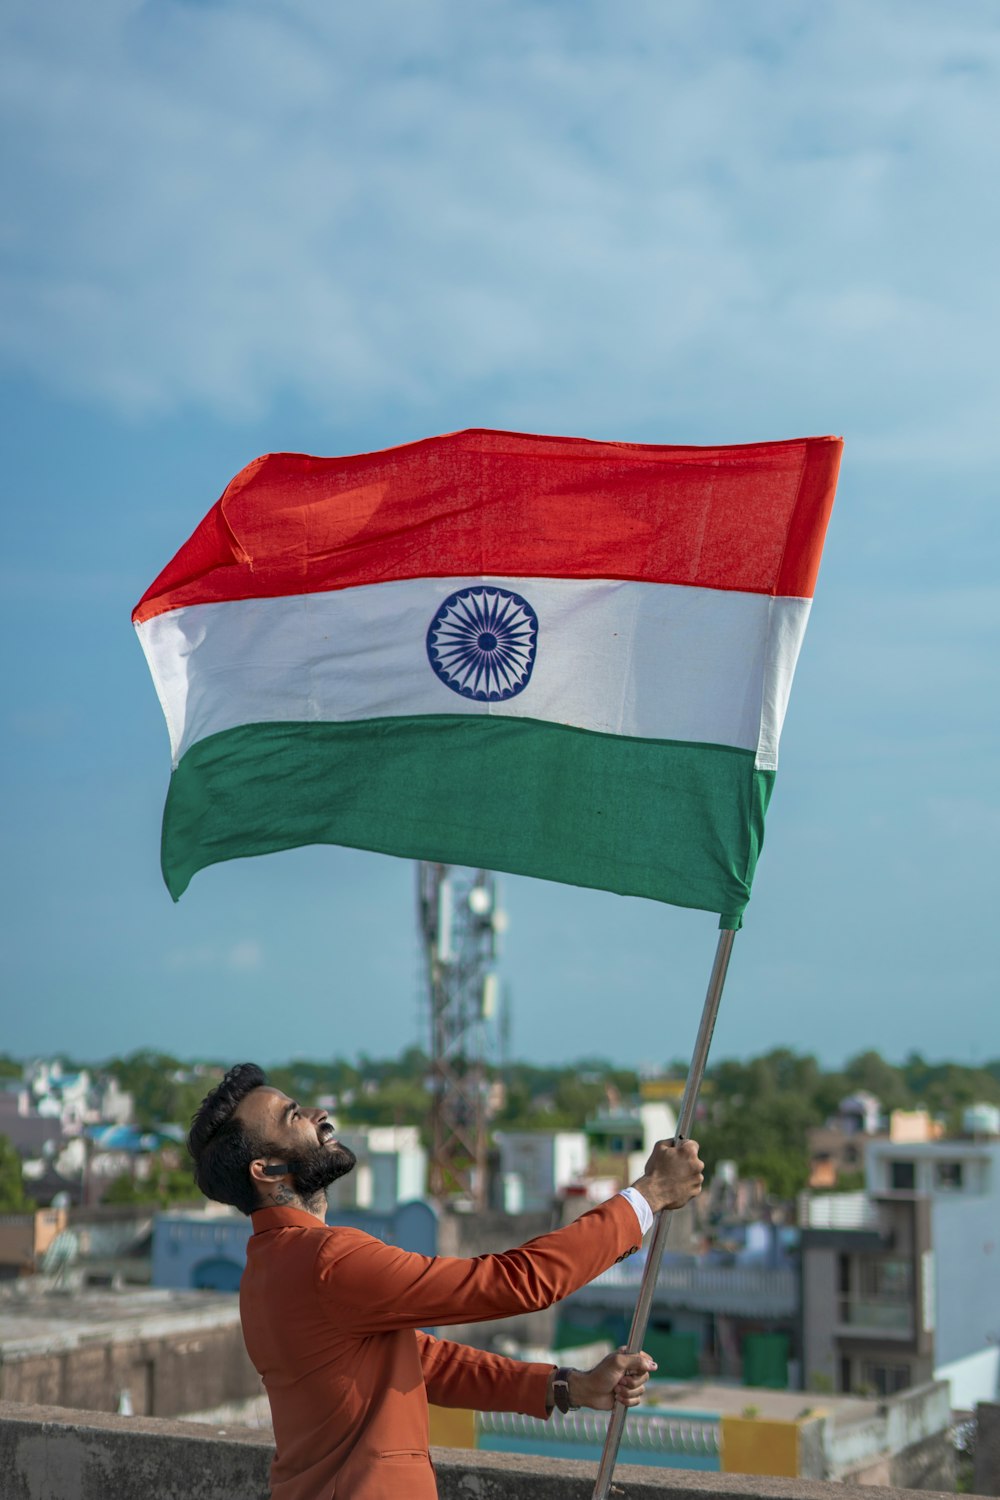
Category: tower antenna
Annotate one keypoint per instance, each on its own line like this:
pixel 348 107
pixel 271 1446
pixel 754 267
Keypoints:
pixel 460 925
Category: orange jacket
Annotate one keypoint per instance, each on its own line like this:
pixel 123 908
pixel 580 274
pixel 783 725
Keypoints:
pixel 332 1318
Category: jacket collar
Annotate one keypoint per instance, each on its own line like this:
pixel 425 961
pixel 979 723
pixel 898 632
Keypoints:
pixel 264 1219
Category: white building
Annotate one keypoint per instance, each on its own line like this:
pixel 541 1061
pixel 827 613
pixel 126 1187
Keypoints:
pixel 542 1162
pixel 961 1181
pixel 76 1099
pixel 901 1283
pixel 391 1169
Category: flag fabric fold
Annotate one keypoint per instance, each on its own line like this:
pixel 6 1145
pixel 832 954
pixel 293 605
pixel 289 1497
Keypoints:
pixel 551 656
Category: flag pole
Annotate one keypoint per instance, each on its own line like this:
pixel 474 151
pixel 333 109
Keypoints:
pixel 640 1317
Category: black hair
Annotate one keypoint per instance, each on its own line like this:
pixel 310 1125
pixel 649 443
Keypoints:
pixel 221 1145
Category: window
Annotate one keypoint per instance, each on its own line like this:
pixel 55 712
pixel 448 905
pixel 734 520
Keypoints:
pixel 948 1176
pixel 886 1380
pixel 845 1374
pixel 902 1176
pixel 881 1296
pixel 886 1280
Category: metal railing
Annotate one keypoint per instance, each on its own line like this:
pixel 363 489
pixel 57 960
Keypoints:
pixel 838 1211
pixel 873 1312
pixel 645 1430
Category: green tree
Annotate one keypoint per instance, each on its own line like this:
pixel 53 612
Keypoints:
pixel 164 1090
pixel 870 1071
pixel 307 1081
pixel 397 1102
pixel 13 1198
pixel 766 1137
pixel 759 1113
pixel 167 1183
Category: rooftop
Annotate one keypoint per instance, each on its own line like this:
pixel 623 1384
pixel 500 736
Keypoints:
pixel 778 1406
pixel 43 1320
pixel 47 1453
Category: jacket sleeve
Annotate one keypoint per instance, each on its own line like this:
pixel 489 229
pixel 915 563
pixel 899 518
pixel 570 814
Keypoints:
pixel 456 1375
pixel 369 1287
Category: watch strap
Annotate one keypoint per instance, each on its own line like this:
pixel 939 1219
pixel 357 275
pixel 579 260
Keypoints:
pixel 560 1389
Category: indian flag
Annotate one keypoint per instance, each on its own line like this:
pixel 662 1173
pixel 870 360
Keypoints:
pixel 545 655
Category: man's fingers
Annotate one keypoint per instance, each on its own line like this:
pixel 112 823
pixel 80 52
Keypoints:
pixel 629 1393
pixel 633 1363
pixel 623 1392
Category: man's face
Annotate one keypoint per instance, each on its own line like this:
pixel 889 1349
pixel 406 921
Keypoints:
pixel 305 1138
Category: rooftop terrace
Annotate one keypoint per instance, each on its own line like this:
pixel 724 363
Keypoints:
pixel 49 1453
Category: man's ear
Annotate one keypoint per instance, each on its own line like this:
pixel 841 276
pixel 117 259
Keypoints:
pixel 264 1170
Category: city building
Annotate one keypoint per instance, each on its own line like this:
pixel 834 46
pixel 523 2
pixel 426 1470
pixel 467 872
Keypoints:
pixel 837 1150
pixel 25 1238
pixel 622 1135
pixel 143 1352
pixel 30 1133
pixel 205 1249
pixel 901 1283
pixel 391 1168
pixel 76 1098
pixel 716 1316
pixel 538 1165
pixel 63 1126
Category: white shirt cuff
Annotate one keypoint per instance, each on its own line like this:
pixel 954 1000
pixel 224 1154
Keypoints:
pixel 643 1212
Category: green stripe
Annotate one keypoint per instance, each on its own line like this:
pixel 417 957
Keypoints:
pixel 677 822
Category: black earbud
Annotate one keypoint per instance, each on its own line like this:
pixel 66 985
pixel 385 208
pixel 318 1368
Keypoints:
pixel 276 1171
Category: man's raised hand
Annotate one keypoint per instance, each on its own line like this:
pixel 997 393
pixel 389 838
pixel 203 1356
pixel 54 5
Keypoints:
pixel 674 1175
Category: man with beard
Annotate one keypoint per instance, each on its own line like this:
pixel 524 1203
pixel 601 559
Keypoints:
pixel 333 1318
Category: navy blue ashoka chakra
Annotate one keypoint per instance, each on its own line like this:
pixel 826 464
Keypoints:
pixel 482 642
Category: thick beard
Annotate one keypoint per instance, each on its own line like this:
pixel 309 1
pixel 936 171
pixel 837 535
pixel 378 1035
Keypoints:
pixel 317 1168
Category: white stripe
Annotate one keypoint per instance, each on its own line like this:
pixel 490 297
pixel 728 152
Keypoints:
pixel 654 661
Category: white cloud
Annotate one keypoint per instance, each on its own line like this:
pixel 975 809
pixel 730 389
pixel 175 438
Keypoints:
pixel 239 957
pixel 688 215
pixel 244 956
pixel 967 819
pixel 47 723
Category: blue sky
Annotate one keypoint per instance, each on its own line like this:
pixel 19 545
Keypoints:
pixel 231 228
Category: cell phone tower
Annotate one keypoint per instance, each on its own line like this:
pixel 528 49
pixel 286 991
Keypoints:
pixel 460 924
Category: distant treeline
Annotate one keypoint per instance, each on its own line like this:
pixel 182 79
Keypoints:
pixel 756 1112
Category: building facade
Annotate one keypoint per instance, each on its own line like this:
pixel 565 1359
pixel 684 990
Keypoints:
pixel 901 1283
pixel 206 1250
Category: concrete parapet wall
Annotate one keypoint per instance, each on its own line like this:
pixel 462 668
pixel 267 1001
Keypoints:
pixel 986 1473
pixel 52 1453
pixel 164 1371
pixel 907 1443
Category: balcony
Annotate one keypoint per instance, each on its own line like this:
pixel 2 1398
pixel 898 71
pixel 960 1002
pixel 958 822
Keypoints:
pixel 864 1317
pixel 845 1211
pixel 739 1291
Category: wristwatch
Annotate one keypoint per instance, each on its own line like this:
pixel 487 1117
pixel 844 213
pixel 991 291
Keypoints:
pixel 560 1389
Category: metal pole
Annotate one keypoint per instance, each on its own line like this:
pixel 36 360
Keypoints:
pixel 640 1317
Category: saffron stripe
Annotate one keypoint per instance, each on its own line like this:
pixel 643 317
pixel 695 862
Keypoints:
pixel 480 503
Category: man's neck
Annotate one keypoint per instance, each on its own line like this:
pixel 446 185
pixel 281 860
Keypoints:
pixel 283 1197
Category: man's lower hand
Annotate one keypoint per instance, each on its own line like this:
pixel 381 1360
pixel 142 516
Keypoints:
pixel 620 1378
